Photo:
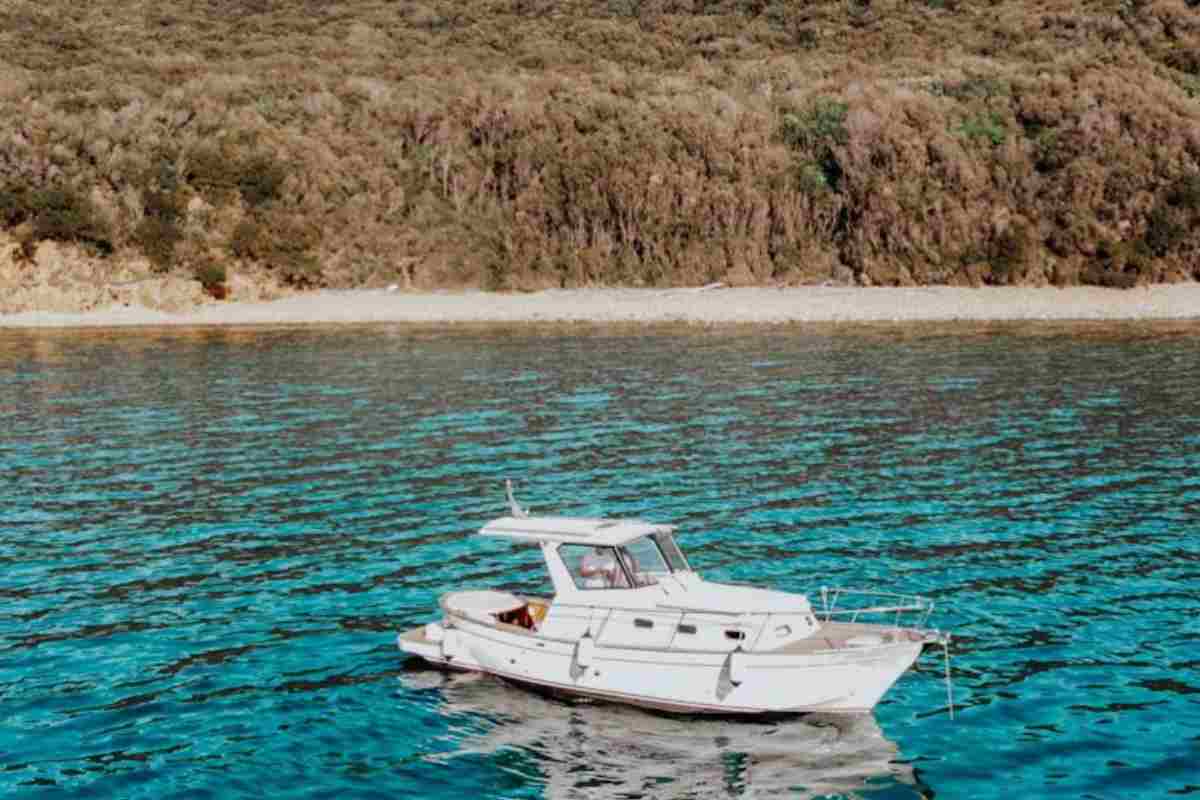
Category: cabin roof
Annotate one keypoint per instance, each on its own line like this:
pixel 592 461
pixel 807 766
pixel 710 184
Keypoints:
pixel 572 530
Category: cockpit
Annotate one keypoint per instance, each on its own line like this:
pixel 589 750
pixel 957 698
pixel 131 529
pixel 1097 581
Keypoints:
pixel 634 564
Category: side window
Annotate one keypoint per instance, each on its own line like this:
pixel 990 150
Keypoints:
pixel 671 551
pixel 593 567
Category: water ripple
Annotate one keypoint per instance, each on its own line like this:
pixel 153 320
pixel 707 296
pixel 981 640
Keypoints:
pixel 209 539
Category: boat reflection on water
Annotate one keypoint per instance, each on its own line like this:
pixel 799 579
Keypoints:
pixel 589 750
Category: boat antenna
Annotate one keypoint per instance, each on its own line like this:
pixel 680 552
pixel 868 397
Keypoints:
pixel 514 508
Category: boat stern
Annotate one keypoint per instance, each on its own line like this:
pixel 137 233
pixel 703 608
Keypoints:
pixel 426 641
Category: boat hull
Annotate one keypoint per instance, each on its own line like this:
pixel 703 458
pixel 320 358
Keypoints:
pixel 849 680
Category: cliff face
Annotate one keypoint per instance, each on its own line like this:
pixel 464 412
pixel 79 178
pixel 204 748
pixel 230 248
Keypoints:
pixel 528 143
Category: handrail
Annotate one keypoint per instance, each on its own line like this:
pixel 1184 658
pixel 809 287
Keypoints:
pixel 919 606
pixel 901 604
pixel 932 636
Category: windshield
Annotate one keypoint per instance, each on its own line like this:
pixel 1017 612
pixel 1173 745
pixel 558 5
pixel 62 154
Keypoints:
pixel 593 567
pixel 644 561
pixel 671 550
pixel 634 564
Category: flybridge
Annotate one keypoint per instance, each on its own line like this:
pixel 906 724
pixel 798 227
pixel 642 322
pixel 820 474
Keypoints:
pixel 572 530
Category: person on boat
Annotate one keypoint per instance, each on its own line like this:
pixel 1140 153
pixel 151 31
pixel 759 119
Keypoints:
pixel 599 570
pixel 631 564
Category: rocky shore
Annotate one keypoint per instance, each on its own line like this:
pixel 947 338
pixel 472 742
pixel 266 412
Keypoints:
pixel 63 279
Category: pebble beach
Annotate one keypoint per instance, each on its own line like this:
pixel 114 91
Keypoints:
pixel 701 305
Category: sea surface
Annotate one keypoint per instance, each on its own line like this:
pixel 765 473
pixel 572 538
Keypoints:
pixel 209 541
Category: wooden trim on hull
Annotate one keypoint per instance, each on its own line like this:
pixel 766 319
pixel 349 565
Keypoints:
pixel 641 701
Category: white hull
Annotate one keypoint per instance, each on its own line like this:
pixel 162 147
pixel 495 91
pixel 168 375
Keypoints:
pixel 843 679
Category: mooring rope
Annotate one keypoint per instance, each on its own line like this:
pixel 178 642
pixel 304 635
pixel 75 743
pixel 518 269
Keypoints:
pixel 949 685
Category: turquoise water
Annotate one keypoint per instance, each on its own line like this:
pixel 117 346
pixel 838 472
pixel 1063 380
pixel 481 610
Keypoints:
pixel 209 542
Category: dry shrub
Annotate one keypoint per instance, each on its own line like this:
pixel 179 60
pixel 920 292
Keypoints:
pixel 527 144
pixel 285 243
pixel 212 275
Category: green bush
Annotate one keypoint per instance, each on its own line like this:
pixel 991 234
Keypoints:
pixel 1009 253
pixel 1117 265
pixel 813 177
pixel 816 131
pixel 822 124
pixel 1184 59
pixel 283 243
pixel 66 214
pixel 1047 154
pixel 157 238
pixel 210 274
pixel 246 240
pixel 1189 83
pixel 299 268
pixel 989 127
pixel 971 89
pixel 1164 231
pixel 159 231
pixel 216 171
pixel 1185 193
pixel 260 180
pixel 15 204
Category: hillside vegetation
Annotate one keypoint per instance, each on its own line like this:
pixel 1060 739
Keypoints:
pixel 527 143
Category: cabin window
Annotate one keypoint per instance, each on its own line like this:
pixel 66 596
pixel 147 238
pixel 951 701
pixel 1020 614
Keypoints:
pixel 735 635
pixel 690 629
pixel 594 567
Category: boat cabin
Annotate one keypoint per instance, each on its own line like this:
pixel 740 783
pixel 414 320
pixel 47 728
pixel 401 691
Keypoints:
pixel 583 555
pixel 627 582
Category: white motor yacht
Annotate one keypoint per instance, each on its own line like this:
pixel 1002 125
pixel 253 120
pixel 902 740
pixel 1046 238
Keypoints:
pixel 631 622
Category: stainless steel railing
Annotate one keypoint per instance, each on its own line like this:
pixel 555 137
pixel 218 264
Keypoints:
pixel 909 608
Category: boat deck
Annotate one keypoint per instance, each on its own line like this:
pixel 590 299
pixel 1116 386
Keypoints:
pixel 831 636
pixel 842 635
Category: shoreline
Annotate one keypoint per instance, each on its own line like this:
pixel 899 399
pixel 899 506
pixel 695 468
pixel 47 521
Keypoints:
pixel 701 306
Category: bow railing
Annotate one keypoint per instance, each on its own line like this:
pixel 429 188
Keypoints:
pixel 839 604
